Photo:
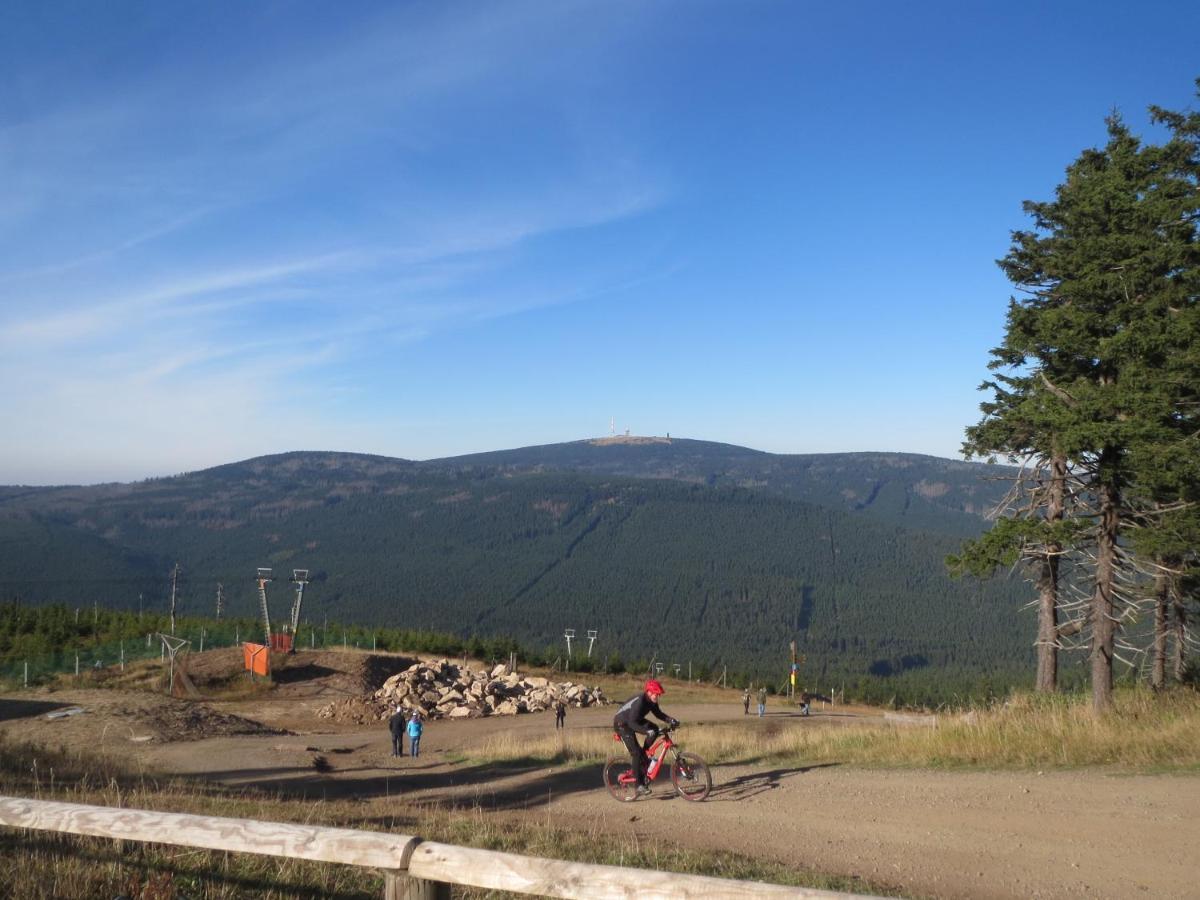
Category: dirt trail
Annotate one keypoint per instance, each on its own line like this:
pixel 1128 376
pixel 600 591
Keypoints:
pixel 924 833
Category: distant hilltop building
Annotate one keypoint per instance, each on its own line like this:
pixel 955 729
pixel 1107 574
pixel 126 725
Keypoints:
pixel 628 438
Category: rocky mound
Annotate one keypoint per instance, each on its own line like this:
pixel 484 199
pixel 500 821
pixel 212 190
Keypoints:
pixel 444 689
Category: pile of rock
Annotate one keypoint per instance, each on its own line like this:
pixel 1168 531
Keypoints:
pixel 445 689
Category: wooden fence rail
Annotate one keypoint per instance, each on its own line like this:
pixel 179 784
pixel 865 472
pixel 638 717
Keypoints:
pixel 414 869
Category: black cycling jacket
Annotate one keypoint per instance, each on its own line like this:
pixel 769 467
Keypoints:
pixel 633 712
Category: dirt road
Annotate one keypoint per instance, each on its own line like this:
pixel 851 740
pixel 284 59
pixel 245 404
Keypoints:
pixel 925 833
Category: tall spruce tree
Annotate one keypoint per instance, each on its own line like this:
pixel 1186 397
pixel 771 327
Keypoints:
pixel 1107 277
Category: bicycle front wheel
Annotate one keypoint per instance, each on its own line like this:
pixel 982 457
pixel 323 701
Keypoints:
pixel 690 775
pixel 619 779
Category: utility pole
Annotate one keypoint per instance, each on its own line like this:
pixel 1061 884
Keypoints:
pixel 591 640
pixel 220 601
pixel 264 575
pixel 174 585
pixel 300 579
pixel 792 671
pixel 568 634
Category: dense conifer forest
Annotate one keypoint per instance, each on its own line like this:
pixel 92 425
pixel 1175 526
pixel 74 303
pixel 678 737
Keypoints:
pixel 711 565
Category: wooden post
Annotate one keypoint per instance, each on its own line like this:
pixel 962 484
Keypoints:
pixel 400 886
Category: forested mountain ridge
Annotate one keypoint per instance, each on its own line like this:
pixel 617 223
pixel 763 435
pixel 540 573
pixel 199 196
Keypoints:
pixel 918 491
pixel 708 573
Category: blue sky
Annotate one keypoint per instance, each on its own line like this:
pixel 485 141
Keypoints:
pixel 426 229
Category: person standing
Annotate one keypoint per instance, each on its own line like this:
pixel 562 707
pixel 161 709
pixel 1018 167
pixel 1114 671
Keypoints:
pixel 762 701
pixel 746 702
pixel 396 727
pixel 560 714
pixel 414 734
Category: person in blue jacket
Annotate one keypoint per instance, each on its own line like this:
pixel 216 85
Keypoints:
pixel 414 734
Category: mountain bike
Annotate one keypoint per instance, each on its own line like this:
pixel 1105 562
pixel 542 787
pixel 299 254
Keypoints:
pixel 689 773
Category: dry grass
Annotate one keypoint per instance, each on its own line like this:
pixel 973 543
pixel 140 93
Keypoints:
pixel 1145 732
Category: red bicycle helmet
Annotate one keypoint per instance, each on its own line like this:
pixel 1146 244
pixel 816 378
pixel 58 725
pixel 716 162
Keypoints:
pixel 654 687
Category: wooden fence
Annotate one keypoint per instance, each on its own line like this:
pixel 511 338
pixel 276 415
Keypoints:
pixel 413 869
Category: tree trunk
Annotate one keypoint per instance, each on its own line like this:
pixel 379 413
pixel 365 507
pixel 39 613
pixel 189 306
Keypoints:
pixel 1179 626
pixel 1102 620
pixel 1162 598
pixel 1047 642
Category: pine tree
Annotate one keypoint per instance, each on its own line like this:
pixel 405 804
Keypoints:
pixel 1098 351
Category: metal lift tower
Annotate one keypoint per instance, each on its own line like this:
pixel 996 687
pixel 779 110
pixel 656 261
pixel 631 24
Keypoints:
pixel 264 575
pixel 300 579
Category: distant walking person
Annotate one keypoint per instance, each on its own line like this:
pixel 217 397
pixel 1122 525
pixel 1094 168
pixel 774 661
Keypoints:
pixel 560 714
pixel 762 701
pixel 414 734
pixel 746 702
pixel 396 727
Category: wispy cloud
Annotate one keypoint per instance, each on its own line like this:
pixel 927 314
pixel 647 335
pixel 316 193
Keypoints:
pixel 196 236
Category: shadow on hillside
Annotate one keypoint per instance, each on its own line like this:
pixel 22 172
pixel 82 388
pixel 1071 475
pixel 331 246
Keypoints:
pixel 24 709
pixel 496 785
pixel 303 672
pixel 492 786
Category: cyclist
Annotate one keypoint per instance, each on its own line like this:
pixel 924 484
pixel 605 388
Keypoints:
pixel 630 721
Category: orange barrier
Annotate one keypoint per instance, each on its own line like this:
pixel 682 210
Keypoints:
pixel 281 643
pixel 256 658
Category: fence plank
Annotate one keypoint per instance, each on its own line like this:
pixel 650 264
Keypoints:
pixel 338 845
pixel 417 870
pixel 583 881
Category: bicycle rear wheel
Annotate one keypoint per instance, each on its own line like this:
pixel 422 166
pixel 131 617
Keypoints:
pixel 623 790
pixel 690 775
